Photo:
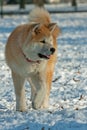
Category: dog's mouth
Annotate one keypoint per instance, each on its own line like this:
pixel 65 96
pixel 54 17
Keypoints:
pixel 44 56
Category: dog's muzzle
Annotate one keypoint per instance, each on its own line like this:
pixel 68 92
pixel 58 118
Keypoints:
pixel 45 56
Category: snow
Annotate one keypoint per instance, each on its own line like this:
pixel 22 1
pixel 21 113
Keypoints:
pixel 68 98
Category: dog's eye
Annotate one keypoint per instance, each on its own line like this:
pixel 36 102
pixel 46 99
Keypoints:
pixel 43 41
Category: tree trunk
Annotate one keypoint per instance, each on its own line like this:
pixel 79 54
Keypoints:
pixel 74 3
pixel 1 4
pixel 39 3
pixel 22 4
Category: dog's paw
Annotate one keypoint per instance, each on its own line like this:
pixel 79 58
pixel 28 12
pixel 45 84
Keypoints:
pixel 21 108
pixel 36 105
pixel 38 100
pixel 45 105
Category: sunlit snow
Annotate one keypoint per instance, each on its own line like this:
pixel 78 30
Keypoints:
pixel 68 98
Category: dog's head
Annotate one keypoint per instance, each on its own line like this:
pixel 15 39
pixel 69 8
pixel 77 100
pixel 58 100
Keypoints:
pixel 39 43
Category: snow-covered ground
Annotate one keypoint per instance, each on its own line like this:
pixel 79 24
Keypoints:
pixel 68 98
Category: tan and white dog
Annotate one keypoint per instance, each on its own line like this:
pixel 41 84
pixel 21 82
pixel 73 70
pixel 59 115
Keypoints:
pixel 31 52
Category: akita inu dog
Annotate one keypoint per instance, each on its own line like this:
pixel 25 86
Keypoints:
pixel 31 52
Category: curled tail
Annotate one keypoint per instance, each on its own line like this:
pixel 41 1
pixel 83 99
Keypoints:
pixel 39 15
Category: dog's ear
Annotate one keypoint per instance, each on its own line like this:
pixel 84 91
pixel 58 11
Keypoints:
pixel 52 26
pixel 54 29
pixel 36 28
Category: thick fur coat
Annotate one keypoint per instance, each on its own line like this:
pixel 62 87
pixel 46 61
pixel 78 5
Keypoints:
pixel 31 52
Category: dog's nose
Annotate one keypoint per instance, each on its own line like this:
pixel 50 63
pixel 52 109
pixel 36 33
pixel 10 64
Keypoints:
pixel 52 50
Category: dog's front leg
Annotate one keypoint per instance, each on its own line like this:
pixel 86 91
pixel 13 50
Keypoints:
pixel 19 92
pixel 39 91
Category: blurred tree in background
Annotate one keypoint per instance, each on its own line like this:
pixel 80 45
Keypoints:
pixel 74 3
pixel 22 4
pixel 39 3
pixel 11 1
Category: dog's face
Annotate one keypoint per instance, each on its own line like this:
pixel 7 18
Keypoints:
pixel 39 43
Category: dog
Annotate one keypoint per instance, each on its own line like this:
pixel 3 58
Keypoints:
pixel 31 53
